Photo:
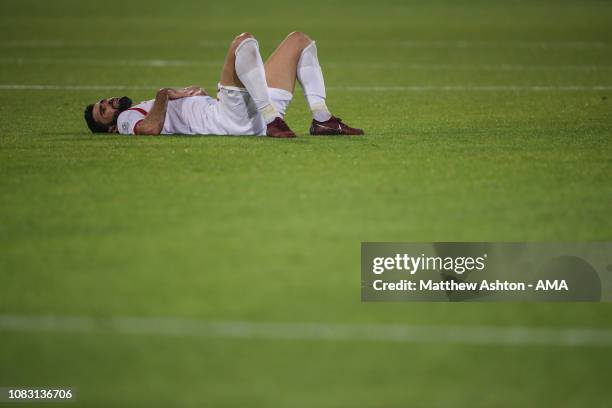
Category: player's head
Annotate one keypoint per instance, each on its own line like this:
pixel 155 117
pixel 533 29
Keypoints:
pixel 101 117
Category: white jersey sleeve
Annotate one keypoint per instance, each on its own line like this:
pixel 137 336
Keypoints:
pixel 127 121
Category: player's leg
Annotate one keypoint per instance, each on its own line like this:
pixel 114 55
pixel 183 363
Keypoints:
pixel 281 66
pixel 296 57
pixel 244 68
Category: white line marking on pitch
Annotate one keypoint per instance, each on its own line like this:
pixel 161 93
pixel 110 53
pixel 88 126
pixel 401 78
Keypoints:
pixel 476 88
pixel 126 43
pixel 113 62
pixel 514 335
pixel 470 67
pixel 413 88
pixel 400 43
pixel 164 63
pixel 463 44
pixel 18 87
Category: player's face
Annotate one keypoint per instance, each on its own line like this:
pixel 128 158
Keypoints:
pixel 106 110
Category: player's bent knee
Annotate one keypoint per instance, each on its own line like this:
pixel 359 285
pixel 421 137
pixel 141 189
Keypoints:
pixel 297 35
pixel 240 38
pixel 300 37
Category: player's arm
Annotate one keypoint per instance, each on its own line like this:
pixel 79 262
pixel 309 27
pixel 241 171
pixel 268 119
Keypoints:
pixel 153 124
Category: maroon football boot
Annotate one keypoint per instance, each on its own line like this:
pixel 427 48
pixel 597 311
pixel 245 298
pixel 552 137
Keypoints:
pixel 278 128
pixel 333 126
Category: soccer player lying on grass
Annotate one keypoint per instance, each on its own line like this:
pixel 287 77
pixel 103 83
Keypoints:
pixel 252 98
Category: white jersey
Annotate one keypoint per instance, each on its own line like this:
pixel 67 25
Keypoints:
pixel 232 114
pixel 187 116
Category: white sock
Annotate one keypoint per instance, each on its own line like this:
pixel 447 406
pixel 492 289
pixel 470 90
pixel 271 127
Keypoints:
pixel 250 70
pixel 311 78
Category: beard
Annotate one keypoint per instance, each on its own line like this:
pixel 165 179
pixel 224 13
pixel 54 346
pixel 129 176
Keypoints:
pixel 124 104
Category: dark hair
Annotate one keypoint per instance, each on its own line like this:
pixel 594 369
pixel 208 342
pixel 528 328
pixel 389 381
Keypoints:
pixel 94 126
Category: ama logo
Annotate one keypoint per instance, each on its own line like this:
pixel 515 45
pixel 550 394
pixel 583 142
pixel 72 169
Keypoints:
pixel 551 285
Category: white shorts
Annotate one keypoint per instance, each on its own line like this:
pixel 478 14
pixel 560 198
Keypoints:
pixel 237 115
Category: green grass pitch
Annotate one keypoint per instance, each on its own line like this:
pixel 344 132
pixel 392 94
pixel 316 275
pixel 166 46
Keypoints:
pixel 485 121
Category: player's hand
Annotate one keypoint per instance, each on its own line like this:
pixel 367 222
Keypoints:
pixel 195 91
pixel 177 93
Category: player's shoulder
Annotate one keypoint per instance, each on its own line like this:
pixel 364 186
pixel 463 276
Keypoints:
pixel 127 120
pixel 142 108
